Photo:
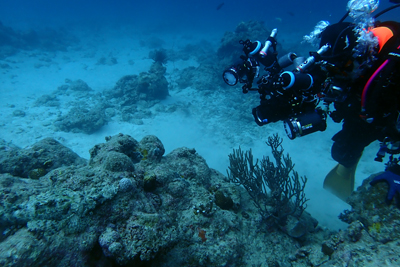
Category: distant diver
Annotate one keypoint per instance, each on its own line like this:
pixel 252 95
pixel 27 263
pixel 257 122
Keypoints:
pixel 220 6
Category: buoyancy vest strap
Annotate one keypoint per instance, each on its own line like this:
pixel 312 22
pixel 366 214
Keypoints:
pixel 368 85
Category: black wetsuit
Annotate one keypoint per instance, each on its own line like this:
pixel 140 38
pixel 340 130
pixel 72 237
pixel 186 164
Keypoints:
pixel 383 105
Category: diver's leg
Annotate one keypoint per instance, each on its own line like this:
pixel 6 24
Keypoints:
pixel 347 148
pixel 350 142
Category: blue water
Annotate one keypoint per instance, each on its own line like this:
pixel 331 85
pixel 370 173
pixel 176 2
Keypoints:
pixel 178 16
pixel 174 15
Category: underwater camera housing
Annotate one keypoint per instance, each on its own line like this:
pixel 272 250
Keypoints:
pixel 297 120
pixel 286 96
pixel 305 123
pixel 241 72
pixel 248 68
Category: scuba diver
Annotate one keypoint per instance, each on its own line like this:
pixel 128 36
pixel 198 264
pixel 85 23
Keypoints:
pixel 356 68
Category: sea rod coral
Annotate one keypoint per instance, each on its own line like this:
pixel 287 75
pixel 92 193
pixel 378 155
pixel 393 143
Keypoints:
pixel 275 192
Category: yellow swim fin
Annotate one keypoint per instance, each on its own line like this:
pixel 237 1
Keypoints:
pixel 340 181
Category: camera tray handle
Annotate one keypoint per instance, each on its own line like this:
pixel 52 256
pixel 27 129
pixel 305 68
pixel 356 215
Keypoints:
pixel 270 42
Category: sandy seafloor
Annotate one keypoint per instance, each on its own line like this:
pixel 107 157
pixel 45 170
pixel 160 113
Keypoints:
pixel 34 73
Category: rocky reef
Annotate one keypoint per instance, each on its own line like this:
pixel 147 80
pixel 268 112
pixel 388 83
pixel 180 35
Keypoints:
pixel 36 160
pixel 137 97
pixel 230 48
pixel 131 205
pixel 12 41
pixel 87 111
pixel 151 85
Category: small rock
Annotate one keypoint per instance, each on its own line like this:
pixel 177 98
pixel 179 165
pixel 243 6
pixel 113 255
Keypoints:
pixel 19 113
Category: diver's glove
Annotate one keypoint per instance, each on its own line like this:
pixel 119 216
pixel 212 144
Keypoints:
pixel 393 181
pixel 336 116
